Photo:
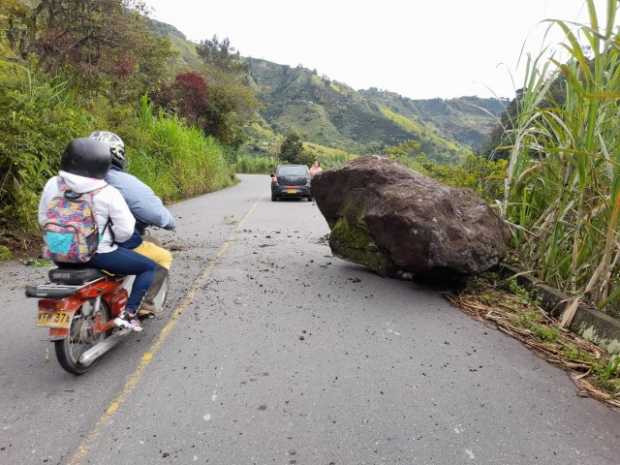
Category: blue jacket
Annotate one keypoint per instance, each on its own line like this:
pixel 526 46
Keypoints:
pixel 146 207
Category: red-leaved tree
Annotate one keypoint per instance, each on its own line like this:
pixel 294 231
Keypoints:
pixel 191 90
pixel 187 96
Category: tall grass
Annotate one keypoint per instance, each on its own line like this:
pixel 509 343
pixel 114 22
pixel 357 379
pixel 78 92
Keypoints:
pixel 249 164
pixel 39 117
pixel 563 184
pixel 176 160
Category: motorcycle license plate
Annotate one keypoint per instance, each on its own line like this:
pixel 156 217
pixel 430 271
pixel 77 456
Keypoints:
pixel 60 320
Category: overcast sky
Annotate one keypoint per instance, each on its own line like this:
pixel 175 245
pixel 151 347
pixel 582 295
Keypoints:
pixel 418 48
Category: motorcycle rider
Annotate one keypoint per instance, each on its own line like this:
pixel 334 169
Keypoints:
pixel 83 169
pixel 146 207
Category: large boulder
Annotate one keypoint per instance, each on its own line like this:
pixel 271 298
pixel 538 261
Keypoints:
pixel 392 220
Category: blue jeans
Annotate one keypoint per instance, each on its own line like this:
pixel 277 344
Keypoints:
pixel 127 262
pixel 133 242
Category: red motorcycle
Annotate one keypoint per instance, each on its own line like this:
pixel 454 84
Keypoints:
pixel 79 306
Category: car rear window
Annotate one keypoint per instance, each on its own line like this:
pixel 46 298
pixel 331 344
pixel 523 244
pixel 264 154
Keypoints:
pixel 292 171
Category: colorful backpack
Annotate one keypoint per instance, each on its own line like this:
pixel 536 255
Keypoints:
pixel 71 233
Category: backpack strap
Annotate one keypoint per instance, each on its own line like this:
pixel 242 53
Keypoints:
pixel 62 185
pixel 109 224
pixel 96 191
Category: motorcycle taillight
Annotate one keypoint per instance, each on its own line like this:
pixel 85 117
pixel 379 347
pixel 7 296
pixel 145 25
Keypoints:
pixel 51 305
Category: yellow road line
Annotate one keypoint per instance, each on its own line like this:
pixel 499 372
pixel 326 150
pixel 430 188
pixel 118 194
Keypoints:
pixel 147 357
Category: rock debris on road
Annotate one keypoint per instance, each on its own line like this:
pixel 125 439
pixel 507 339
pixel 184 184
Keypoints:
pixel 287 355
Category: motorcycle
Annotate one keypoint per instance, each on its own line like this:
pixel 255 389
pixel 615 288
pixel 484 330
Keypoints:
pixel 80 306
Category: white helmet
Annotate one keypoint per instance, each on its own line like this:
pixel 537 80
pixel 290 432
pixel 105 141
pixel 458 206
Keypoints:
pixel 116 144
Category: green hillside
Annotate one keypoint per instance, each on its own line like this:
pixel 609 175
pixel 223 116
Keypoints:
pixel 332 114
pixel 187 56
pixel 468 120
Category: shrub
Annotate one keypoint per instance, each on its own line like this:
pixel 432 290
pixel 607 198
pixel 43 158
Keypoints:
pixel 254 165
pixel 484 176
pixel 5 253
pixel 38 119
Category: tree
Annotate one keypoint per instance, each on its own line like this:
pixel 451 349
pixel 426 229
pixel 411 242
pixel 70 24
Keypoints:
pixel 101 45
pixel 187 97
pixel 221 55
pixel 232 103
pixel 292 150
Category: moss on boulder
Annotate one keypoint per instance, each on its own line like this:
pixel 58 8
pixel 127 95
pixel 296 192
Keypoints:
pixel 5 253
pixel 351 241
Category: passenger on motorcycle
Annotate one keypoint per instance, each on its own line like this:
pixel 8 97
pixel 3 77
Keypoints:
pixel 146 207
pixel 83 169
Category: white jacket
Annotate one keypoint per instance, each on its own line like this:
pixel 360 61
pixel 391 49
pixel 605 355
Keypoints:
pixel 110 208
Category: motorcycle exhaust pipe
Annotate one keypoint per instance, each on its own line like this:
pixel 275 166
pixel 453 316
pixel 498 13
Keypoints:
pixel 92 354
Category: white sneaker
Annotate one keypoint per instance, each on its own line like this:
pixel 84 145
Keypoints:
pixel 122 323
pixel 127 321
pixel 135 325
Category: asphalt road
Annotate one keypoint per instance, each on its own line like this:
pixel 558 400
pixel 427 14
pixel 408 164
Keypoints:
pixel 272 351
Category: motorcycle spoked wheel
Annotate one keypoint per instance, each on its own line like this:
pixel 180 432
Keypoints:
pixel 80 339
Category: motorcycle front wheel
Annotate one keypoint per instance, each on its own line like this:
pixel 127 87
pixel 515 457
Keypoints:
pixel 80 339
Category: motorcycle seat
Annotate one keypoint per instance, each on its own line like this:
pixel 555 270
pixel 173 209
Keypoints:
pixel 75 276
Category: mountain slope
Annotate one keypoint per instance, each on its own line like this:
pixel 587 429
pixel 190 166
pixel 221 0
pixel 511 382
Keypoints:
pixel 333 114
pixel 468 120
pixel 187 56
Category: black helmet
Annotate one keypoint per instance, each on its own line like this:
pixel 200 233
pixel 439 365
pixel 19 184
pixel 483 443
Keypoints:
pixel 86 157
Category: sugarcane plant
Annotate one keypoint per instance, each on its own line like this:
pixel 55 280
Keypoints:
pixel 562 190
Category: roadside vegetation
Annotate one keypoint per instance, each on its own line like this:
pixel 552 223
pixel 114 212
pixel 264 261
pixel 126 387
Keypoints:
pixel 562 189
pixel 558 156
pixel 484 175
pixel 255 164
pixel 294 150
pixel 68 68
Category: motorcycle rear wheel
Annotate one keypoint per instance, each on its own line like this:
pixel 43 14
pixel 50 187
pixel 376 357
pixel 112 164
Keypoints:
pixel 67 351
